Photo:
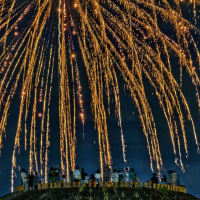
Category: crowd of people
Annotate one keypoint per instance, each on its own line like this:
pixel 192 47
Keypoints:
pixel 31 180
pixel 109 176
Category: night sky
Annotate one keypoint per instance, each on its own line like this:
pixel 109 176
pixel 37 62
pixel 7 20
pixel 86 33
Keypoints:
pixel 87 148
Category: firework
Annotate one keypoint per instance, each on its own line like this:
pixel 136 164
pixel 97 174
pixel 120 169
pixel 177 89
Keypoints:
pixel 122 40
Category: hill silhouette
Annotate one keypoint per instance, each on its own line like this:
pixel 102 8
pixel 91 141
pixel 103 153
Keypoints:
pixel 104 193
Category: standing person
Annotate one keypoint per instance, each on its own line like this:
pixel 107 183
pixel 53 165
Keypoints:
pixel 107 174
pixel 71 177
pixel 31 178
pixel 126 176
pixel 154 179
pixel 173 177
pixel 77 175
pixel 57 173
pixel 164 179
pixel 86 178
pixel 132 175
pixel 63 179
pixel 24 178
pixel 83 174
pixel 137 180
pixel 115 176
pixel 120 176
pixel 92 179
pixel 97 176
pixel 36 180
pixel 52 175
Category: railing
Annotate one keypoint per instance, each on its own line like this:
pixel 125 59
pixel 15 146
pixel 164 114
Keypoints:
pixel 107 184
pixel 20 188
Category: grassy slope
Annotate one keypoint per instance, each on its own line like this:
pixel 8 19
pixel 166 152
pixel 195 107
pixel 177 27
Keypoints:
pixel 99 194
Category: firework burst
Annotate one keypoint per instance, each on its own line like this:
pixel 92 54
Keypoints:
pixel 117 39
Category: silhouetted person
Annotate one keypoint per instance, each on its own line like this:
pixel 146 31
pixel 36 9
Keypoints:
pixel 120 176
pixel 71 177
pixel 36 180
pixel 154 179
pixel 63 179
pixel 52 175
pixel 92 179
pixel 57 173
pixel 83 174
pixel 31 180
pixel 107 173
pixel 164 179
pixel 137 180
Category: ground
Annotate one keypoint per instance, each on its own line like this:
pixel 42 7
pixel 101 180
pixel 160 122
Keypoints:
pixel 99 194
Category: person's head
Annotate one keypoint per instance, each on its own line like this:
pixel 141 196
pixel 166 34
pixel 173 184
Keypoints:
pixel 23 170
pixel 36 173
pixel 51 169
pixel 126 169
pixel 154 174
pixel 132 170
pixel 119 171
pixel 63 176
pixel 98 171
pixel 92 176
pixel 115 170
pixel 164 176
pixel 77 167
pixel 82 170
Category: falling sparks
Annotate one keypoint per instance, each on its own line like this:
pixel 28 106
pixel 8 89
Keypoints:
pixel 114 40
pixel 79 92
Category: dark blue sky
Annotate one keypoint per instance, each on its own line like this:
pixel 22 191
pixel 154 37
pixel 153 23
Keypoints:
pixel 88 154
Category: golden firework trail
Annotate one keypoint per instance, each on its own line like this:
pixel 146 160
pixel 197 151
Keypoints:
pixel 114 41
